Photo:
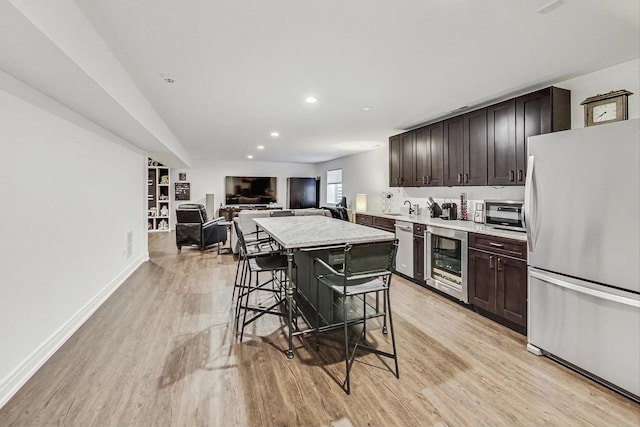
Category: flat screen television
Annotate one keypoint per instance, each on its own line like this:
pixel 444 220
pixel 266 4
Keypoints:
pixel 250 190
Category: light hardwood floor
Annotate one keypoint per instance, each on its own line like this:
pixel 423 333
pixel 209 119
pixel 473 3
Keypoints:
pixel 162 351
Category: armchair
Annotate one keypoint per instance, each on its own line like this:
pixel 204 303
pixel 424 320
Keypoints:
pixel 193 229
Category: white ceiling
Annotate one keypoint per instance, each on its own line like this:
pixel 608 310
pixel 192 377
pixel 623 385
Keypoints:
pixel 244 67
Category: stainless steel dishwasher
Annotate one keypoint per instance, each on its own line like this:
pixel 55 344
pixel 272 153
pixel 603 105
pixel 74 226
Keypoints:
pixel 404 257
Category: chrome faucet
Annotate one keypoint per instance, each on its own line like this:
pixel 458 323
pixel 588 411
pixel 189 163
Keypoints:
pixel 411 210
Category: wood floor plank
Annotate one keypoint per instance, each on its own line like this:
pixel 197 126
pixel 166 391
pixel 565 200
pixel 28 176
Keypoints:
pixel 162 351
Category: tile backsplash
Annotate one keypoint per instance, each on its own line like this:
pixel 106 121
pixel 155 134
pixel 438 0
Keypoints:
pixel 446 195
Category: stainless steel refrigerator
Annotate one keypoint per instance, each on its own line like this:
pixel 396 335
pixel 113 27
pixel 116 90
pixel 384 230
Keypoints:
pixel 582 204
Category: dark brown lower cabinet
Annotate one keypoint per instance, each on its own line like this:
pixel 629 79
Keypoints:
pixel 364 219
pixel 385 224
pixel 498 283
pixel 380 223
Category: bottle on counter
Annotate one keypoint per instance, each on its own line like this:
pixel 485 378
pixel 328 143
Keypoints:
pixel 463 206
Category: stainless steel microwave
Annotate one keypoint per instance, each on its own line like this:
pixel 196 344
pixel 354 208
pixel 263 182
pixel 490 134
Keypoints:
pixel 505 214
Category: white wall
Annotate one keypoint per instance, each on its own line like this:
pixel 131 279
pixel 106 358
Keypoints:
pixel 61 22
pixel 622 76
pixel 366 173
pixel 70 198
pixel 208 176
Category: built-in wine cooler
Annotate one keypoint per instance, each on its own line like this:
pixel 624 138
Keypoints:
pixel 446 261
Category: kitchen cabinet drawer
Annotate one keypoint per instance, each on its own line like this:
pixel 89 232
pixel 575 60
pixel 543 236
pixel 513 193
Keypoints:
pixel 380 223
pixel 384 224
pixel 498 245
pixel 363 219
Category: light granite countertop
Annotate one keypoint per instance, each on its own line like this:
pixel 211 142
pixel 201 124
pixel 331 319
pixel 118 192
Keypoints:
pixel 299 232
pixel 468 226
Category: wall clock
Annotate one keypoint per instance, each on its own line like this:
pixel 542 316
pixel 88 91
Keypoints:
pixel 606 108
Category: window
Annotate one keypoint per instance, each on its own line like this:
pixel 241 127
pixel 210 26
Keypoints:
pixel 334 186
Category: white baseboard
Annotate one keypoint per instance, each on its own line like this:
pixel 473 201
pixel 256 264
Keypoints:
pixel 21 374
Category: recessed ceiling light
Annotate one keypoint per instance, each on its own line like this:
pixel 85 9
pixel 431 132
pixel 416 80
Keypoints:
pixel 310 100
pixel 367 108
pixel 249 156
pixel 260 147
pixel 274 134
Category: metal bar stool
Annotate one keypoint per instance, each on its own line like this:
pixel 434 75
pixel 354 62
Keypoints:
pixel 252 248
pixel 274 262
pixel 367 270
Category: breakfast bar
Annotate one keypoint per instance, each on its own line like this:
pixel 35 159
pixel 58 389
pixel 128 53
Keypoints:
pixel 305 237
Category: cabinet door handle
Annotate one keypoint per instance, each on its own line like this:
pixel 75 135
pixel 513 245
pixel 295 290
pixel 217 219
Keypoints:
pixel 496 245
pixel 424 180
pixel 499 268
pixel 428 179
pixel 459 178
pixel 520 175
pixel 466 178
pixel 512 176
pixel 491 261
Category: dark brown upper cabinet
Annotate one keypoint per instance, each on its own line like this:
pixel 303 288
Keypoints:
pixel 429 156
pixel 510 123
pixel 501 143
pixel 395 161
pixel 546 110
pixel 454 151
pixel 401 161
pixel 465 149
pixel 483 147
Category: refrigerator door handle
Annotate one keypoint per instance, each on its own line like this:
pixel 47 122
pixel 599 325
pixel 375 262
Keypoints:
pixel 528 201
pixel 584 290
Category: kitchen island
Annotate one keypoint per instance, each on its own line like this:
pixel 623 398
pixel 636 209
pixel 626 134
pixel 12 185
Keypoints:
pixel 305 238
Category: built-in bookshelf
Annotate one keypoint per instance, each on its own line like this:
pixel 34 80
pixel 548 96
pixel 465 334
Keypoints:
pixel 158 197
